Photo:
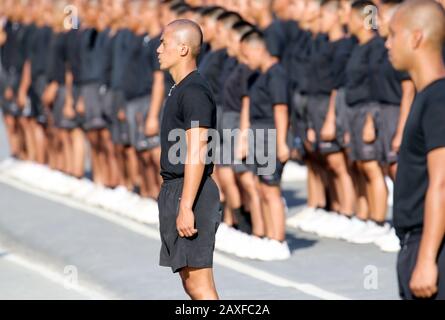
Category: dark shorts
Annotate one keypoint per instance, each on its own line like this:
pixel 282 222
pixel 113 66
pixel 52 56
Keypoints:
pixel 389 120
pixel 341 111
pixel 262 156
pixel 11 108
pixel 136 113
pixel 93 118
pixel 195 252
pixel 230 129
pixel 406 263
pixel 317 107
pixel 120 133
pixel 35 93
pixel 361 151
pixel 298 122
pixel 60 120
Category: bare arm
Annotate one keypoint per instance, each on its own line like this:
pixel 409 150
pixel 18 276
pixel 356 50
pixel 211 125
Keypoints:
pixel 25 83
pixel 327 132
pixel 424 279
pixel 193 174
pixel 408 92
pixel 157 97
pixel 242 143
pixel 244 116
pixel 281 117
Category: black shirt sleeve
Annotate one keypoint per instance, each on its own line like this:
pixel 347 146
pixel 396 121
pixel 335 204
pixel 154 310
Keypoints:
pixel 433 122
pixel 402 76
pixel 278 87
pixel 198 105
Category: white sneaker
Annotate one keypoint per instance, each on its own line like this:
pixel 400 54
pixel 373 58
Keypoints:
pixel 300 216
pixel 372 233
pixel 316 223
pixel 277 250
pixel 229 239
pixel 336 228
pixel 357 226
pixel 7 164
pixel 389 242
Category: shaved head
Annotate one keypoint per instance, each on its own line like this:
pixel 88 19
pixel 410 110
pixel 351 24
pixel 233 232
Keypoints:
pixel 425 16
pixel 188 33
pixel 416 33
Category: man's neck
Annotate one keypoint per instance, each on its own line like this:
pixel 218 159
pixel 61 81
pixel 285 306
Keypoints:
pixel 265 20
pixel 427 69
pixel 364 36
pixel 268 63
pixel 154 29
pixel 216 44
pixel 182 70
pixel 336 33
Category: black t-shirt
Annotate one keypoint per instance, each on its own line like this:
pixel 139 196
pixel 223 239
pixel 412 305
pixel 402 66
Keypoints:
pixel 424 131
pixel 142 63
pixel 387 81
pixel 107 42
pixel 294 36
pixel 191 100
pixel 314 45
pixel 210 68
pixel 359 74
pixel 38 50
pixel 269 89
pixel 275 38
pixel 236 87
pixel 74 38
pixel 297 56
pixel 120 56
pixel 57 58
pixel 326 68
pixel 89 60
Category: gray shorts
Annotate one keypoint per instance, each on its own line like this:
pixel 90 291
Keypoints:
pixel 317 107
pixel 60 120
pixel 231 120
pixel 262 158
pixel 389 119
pixel 361 151
pixel 35 93
pixel 120 134
pixel 298 122
pixel 93 118
pixel 136 112
pixel 197 251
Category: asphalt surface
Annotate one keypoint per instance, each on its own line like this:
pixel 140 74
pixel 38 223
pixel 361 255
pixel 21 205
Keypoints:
pixel 115 258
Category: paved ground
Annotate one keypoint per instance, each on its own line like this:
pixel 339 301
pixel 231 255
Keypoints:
pixel 114 258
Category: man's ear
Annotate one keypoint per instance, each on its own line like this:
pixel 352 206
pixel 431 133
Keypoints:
pixel 184 50
pixel 416 39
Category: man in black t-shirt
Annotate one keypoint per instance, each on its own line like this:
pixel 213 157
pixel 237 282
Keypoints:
pixel 273 31
pixel 416 38
pixel 395 93
pixel 189 199
pixel 269 121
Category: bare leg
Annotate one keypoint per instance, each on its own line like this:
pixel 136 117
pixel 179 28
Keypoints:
pixel 110 152
pixel 249 187
pixel 379 191
pixel 362 202
pixel 199 283
pixel 343 182
pixel 132 166
pixel 275 216
pixel 78 140
pixel 41 142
